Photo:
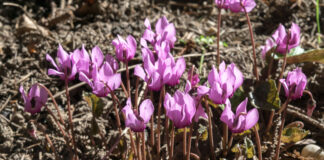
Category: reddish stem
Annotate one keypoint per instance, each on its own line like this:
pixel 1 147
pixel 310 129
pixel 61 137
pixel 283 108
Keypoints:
pixel 210 130
pixel 158 141
pixel 189 142
pixel 218 33
pixel 69 111
pixel 252 41
pixel 257 138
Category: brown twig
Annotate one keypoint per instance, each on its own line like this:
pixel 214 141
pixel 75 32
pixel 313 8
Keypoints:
pixel 257 138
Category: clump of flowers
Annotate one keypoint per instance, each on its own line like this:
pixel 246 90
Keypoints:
pixel 104 78
pixel 223 83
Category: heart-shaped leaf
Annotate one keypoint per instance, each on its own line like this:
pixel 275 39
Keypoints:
pixel 293 134
pixel 265 96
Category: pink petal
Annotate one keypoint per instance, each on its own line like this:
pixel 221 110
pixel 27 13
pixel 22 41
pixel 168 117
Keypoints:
pixel 285 86
pixel 227 115
pixel 241 108
pixel 139 72
pixel 200 113
pixel 97 56
pixel 251 118
pixel 146 110
pixel 50 59
pixel 188 86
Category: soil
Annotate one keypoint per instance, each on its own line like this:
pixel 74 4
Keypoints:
pixel 31 29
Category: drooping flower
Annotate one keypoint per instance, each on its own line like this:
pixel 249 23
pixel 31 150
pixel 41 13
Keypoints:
pixel 223 83
pixel 294 84
pixel 283 39
pixel 125 50
pixel 165 31
pixel 193 77
pixel 222 3
pixel 269 45
pixel 242 120
pixel 181 108
pixel 103 74
pixel 137 121
pixel 65 66
pixel 81 58
pixel 158 72
pixel 237 5
pixel 35 100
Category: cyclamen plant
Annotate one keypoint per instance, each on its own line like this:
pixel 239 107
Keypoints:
pixel 158 69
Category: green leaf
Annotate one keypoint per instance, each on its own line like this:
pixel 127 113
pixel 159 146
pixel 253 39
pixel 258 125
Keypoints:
pixel 249 147
pixel 293 134
pixel 265 96
pixel 95 103
pixel 293 52
pixel 300 56
pixel 237 98
pixel 205 40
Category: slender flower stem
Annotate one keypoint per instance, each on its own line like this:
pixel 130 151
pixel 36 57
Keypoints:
pixel 229 145
pixel 124 89
pixel 166 127
pixel 115 108
pixel 158 141
pixel 116 143
pixel 59 125
pixel 219 20
pixel 128 81
pixel 54 101
pixel 143 145
pixel 184 142
pixel 136 93
pixel 283 116
pixel 225 139
pixel 51 145
pixel 252 41
pixel 257 138
pixel 152 122
pixel 138 142
pixel 210 130
pixel 69 110
pixel 172 143
pixel 132 142
pixel 189 142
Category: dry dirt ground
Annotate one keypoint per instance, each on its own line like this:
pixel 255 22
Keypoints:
pixel 30 29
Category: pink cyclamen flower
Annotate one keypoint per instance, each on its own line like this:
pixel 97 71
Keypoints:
pixel 222 3
pixel 158 72
pixel 269 45
pixel 125 50
pixel 242 120
pixel 103 74
pixel 294 84
pixel 223 83
pixel 137 122
pixel 181 108
pixel 81 58
pixel 194 79
pixel 282 39
pixel 165 31
pixel 65 67
pixel 239 5
pixel 35 100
